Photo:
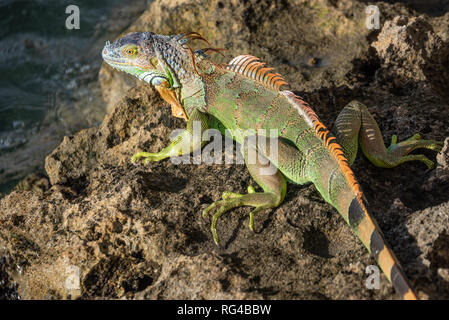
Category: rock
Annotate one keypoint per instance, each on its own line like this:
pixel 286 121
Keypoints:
pixel 443 157
pixel 8 289
pixel 441 26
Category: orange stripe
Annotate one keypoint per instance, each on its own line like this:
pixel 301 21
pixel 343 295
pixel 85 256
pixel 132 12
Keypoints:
pixel 365 229
pixel 262 73
pixel 246 63
pixel 410 295
pixel 334 148
pixel 249 66
pixel 193 59
pixel 386 261
pixel 278 84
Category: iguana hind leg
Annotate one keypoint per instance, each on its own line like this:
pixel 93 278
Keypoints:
pixel 356 125
pixel 274 186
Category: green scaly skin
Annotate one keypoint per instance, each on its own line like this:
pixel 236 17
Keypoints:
pixel 242 97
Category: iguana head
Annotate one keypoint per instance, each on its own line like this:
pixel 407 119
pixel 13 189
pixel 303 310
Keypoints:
pixel 159 60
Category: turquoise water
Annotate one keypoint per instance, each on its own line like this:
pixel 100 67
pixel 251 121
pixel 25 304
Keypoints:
pixel 42 62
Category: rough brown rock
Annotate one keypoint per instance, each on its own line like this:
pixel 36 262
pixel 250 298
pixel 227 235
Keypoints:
pixel 137 232
pixel 411 52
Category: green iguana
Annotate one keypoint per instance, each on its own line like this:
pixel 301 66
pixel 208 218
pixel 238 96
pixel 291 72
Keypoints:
pixel 245 95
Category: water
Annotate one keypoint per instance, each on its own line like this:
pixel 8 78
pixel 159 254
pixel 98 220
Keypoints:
pixel 47 73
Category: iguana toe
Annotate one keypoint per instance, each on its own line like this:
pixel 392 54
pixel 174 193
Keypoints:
pixel 139 155
pixel 149 157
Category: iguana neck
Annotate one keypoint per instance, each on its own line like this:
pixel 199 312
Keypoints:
pixel 192 93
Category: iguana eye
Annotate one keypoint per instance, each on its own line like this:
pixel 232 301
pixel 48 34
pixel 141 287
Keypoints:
pixel 131 51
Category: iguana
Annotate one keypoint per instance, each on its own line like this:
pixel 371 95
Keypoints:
pixel 244 95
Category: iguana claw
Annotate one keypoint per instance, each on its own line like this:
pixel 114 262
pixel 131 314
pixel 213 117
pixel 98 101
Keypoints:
pixel 230 200
pixel 224 205
pixel 398 152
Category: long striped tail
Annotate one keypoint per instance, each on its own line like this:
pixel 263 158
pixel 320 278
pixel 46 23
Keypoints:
pixel 336 182
pixel 371 236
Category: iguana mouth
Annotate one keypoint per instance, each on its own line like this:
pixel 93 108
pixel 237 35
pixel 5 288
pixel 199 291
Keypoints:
pixel 111 57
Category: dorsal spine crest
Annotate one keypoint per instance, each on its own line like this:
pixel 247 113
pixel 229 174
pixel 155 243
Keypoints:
pixel 328 141
pixel 252 67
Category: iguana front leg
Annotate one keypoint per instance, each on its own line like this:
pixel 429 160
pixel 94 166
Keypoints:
pixel 274 186
pixel 184 143
pixel 356 125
